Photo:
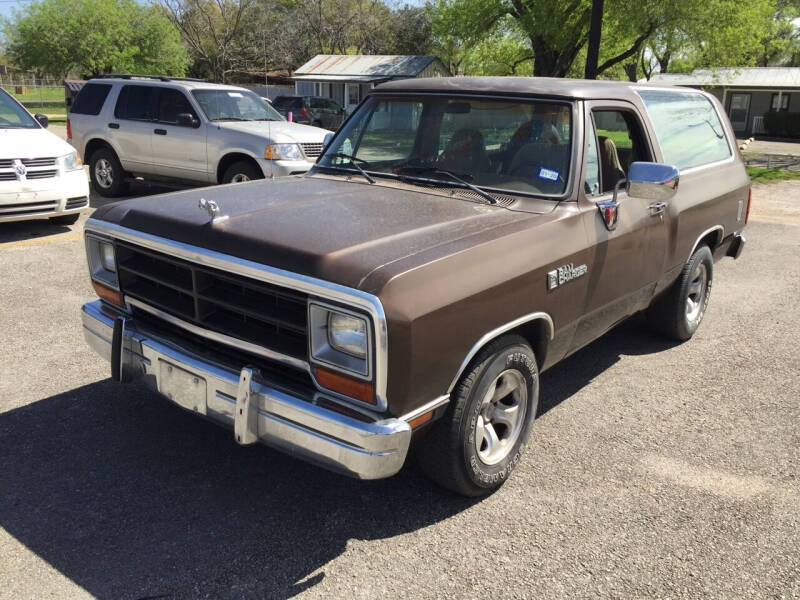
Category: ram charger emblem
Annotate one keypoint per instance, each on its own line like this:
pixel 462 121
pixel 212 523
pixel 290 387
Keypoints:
pixel 562 275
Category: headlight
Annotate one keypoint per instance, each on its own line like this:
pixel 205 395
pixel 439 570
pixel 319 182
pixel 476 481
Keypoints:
pixel 283 152
pixel 102 260
pixel 72 162
pixel 340 339
pixel 348 334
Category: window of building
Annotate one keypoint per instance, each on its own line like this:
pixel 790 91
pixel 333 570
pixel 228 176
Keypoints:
pixel 780 102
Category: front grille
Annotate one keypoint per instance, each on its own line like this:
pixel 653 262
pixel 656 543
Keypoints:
pixel 41 174
pixel 260 313
pixel 39 162
pixel 29 208
pixel 6 163
pixel 312 150
pixel 76 202
pixel 8 176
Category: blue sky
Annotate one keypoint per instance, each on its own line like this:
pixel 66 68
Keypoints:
pixel 7 7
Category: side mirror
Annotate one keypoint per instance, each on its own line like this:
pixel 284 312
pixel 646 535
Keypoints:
pixel 43 120
pixel 187 120
pixel 326 140
pixel 652 181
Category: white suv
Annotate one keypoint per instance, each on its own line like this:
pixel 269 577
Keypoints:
pixel 183 130
pixel 40 174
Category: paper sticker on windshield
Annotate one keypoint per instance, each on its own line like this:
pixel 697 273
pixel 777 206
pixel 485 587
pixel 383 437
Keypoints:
pixel 548 174
pixel 234 94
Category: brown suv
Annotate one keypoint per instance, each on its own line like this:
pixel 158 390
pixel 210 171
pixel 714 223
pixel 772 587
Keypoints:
pixel 456 238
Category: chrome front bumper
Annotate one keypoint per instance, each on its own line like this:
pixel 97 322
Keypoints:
pixel 256 409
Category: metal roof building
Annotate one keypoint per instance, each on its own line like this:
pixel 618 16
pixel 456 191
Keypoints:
pixel 347 78
pixel 746 92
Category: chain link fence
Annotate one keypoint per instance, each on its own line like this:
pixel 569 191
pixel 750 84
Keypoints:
pixel 37 94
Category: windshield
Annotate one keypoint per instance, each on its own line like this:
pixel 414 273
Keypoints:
pixel 235 105
pixel 13 116
pixel 512 145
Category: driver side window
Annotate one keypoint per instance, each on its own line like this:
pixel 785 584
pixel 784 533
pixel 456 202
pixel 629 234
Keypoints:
pixel 591 183
pixel 620 142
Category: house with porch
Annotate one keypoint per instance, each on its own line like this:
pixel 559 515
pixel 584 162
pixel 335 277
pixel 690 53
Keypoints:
pixel 747 93
pixel 347 78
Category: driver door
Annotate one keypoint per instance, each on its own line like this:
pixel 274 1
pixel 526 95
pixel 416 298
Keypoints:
pixel 627 261
pixel 179 151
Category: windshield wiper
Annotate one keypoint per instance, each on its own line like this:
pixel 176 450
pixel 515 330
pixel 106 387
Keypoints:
pixel 353 162
pixel 455 177
pixel 231 119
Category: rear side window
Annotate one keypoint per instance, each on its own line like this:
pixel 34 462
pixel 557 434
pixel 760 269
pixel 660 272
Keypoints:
pixel 135 102
pixel 687 127
pixel 288 103
pixel 90 99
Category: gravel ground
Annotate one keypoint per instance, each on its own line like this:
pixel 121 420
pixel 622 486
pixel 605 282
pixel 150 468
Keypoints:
pixel 654 470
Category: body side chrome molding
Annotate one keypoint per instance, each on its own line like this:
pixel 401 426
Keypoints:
pixel 221 337
pixel 704 234
pixel 499 331
pixel 427 407
pixel 304 283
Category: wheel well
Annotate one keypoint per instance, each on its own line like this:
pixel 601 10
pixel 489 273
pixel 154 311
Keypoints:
pixel 229 159
pixel 537 333
pixel 93 146
pixel 711 238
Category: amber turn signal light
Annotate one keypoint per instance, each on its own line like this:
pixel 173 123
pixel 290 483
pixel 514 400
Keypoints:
pixel 421 420
pixel 347 386
pixel 108 294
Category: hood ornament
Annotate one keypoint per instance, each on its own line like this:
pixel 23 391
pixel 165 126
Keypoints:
pixel 212 208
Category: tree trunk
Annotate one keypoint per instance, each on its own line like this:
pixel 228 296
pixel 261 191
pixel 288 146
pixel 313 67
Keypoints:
pixel 593 49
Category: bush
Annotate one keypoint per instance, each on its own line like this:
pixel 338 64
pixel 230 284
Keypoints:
pixel 782 124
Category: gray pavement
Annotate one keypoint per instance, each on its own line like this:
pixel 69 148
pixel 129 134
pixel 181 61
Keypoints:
pixel 654 470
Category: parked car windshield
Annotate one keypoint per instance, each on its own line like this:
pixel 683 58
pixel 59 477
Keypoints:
pixel 518 146
pixel 235 105
pixel 13 116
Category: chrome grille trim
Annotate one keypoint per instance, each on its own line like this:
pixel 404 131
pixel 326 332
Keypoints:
pixel 295 281
pixel 41 174
pixel 38 162
pixel 312 150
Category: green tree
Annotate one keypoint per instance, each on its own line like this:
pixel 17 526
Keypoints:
pixel 90 37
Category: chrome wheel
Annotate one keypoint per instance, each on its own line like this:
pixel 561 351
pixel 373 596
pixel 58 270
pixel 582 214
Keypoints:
pixel 698 289
pixel 239 178
pixel 104 173
pixel 501 416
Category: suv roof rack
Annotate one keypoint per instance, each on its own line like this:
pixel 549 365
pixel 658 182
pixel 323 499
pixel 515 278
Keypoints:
pixel 138 76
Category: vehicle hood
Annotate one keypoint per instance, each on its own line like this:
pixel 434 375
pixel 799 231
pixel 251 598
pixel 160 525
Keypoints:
pixel 336 230
pixel 31 143
pixel 277 131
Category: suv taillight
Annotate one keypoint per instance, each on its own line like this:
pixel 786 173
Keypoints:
pixel 304 112
pixel 69 131
pixel 749 200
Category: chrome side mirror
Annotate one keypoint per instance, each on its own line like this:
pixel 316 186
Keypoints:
pixel 652 181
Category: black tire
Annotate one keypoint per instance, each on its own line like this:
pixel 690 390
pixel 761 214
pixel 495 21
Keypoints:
pixel 66 219
pixel 105 171
pixel 241 169
pixel 671 314
pixel 448 453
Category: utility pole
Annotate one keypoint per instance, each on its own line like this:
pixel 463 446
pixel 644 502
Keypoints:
pixel 593 48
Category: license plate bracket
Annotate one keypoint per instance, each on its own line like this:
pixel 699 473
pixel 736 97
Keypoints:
pixel 182 387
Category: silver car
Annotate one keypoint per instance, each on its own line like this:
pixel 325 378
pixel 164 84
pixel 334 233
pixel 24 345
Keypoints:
pixel 182 130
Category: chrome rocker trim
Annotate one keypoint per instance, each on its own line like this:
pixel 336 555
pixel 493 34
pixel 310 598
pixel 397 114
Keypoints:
pixel 310 285
pixel 253 407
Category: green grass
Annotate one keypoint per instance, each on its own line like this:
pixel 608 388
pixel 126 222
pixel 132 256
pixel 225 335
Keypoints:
pixel 759 175
pixel 38 94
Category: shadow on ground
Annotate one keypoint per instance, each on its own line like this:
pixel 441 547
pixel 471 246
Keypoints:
pixel 130 497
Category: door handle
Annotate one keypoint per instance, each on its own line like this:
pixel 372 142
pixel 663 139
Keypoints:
pixel 160 131
pixel 113 125
pixel 657 208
